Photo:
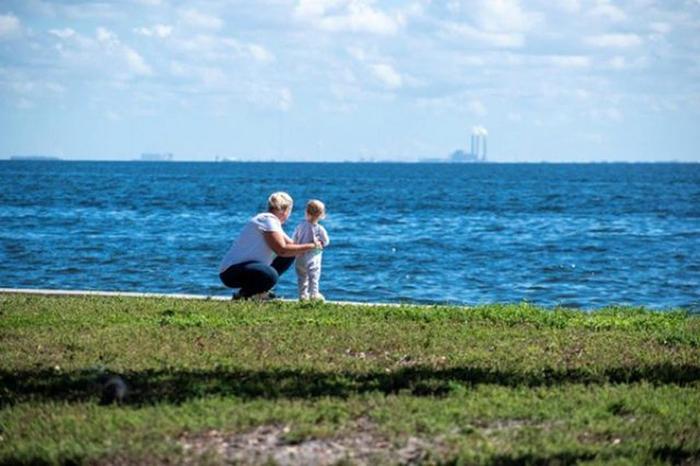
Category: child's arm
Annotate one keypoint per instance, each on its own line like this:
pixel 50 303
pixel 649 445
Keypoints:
pixel 325 240
pixel 297 232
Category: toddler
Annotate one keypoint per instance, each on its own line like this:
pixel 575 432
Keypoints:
pixel 308 264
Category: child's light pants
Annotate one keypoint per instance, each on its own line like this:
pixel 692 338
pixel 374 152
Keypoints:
pixel 308 275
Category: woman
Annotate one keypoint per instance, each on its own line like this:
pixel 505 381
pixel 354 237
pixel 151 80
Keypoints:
pixel 262 252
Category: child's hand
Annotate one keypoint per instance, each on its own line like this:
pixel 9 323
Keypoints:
pixel 318 243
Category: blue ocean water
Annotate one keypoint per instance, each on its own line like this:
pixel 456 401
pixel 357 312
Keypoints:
pixel 551 234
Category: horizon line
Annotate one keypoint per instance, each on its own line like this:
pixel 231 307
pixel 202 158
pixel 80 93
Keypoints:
pixel 427 161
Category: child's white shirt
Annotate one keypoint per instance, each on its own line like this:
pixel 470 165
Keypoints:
pixel 307 232
pixel 308 264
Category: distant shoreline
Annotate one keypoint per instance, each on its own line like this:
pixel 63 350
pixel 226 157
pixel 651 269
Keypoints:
pixel 354 162
pixel 36 158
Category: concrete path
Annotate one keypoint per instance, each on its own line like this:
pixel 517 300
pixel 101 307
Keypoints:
pixel 46 292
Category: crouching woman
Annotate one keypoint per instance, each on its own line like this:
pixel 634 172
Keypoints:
pixel 262 252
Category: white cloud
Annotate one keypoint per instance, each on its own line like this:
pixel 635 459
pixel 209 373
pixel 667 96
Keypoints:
pixel 613 114
pixel 65 33
pixel 459 103
pixel 207 76
pixel 376 64
pixel 92 10
pixel 625 63
pixel 21 84
pixel 505 16
pixel 570 6
pixel 266 96
pixel 23 87
pixel 202 80
pixel 471 34
pixel 357 53
pixel 660 27
pixel 136 62
pixel 260 53
pixel 618 63
pixel 569 61
pixel 607 113
pixel 9 26
pixel 157 30
pixel 241 49
pixel 213 76
pixel 495 23
pixel 387 75
pixel 200 20
pixel 284 100
pixel 178 69
pixel 604 9
pixel 350 15
pixel 582 94
pixel 477 107
pixel 217 48
pixel 105 48
pixel 454 6
pixel 106 36
pixel 614 40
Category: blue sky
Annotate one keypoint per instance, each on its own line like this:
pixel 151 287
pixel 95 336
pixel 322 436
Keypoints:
pixel 551 80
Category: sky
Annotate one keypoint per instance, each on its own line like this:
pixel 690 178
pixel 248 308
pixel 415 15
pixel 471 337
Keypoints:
pixel 336 80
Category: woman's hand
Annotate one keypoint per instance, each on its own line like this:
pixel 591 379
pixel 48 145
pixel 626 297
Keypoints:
pixel 279 244
pixel 318 243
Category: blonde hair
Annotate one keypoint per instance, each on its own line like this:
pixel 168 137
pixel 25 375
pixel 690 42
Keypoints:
pixel 316 208
pixel 279 202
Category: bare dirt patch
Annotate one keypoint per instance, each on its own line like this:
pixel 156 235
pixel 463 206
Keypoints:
pixel 267 444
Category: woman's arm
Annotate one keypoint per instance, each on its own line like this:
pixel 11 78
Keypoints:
pixel 279 243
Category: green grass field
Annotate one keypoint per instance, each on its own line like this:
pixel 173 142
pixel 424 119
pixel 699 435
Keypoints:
pixel 215 382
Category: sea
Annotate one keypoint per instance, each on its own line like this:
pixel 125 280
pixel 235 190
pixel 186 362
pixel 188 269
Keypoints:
pixel 582 236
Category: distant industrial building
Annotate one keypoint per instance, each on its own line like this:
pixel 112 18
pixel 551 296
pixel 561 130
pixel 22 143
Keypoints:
pixel 155 157
pixel 477 152
pixel 479 141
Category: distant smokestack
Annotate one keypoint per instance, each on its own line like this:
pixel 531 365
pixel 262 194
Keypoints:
pixel 479 135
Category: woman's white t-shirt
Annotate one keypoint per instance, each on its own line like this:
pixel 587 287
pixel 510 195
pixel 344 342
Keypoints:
pixel 250 244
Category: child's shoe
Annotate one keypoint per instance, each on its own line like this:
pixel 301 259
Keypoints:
pixel 317 297
pixel 303 297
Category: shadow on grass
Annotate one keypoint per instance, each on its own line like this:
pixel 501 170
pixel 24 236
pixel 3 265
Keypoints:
pixel 668 455
pixel 176 386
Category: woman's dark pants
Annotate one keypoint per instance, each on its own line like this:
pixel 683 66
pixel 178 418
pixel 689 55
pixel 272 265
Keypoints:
pixel 254 277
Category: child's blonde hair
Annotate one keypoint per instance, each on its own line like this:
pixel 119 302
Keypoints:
pixel 279 202
pixel 315 209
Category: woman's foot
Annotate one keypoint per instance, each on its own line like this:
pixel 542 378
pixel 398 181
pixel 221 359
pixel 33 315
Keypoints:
pixel 264 296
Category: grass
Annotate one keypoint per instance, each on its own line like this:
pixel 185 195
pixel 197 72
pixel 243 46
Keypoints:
pixel 497 384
